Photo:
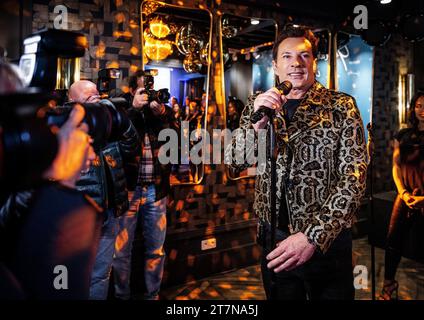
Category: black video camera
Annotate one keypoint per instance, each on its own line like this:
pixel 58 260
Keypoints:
pixel 160 96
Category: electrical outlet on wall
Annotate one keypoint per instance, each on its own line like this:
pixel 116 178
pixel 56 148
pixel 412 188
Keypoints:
pixel 209 244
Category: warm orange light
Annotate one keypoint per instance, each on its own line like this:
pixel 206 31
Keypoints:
pixel 82 41
pixel 133 68
pixel 101 50
pixel 113 64
pixel 157 49
pixel 120 17
pixel 133 24
pixel 134 50
pixel 122 34
pixel 125 89
pixel 159 28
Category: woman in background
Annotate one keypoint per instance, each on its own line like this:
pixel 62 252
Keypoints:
pixel 408 175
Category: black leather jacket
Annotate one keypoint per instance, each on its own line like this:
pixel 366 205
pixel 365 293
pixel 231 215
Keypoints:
pixel 105 181
pixel 146 122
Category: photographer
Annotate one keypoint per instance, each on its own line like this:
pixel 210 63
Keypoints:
pixel 51 225
pixel 148 200
pixel 105 182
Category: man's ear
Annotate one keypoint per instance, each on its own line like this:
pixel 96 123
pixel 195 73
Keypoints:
pixel 315 65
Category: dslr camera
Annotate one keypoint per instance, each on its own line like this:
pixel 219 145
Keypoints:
pixel 161 95
pixel 28 145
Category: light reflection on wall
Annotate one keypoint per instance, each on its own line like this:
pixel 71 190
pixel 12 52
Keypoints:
pixel 263 74
pixel 354 74
pixel 163 79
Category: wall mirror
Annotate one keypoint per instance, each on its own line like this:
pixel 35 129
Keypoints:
pixel 246 45
pixel 176 44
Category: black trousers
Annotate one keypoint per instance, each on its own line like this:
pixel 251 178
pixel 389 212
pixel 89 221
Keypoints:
pixel 324 277
pixel 397 228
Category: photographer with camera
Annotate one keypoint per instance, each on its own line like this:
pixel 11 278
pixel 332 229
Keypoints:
pixel 105 182
pixel 53 224
pixel 148 201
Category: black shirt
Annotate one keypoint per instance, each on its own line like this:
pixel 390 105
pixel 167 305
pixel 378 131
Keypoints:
pixel 290 108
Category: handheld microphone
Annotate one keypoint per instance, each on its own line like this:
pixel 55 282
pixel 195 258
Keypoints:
pixel 284 89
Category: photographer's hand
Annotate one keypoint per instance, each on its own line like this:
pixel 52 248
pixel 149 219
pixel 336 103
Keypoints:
pixel 157 108
pixel 75 151
pixel 271 99
pixel 140 99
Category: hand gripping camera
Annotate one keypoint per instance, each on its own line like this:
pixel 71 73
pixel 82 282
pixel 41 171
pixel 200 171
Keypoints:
pixel 161 95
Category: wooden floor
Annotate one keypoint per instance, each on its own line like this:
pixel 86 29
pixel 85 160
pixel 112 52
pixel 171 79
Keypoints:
pixel 246 283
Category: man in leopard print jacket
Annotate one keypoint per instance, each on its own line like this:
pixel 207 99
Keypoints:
pixel 321 174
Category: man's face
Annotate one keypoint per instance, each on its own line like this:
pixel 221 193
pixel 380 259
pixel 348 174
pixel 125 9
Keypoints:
pixel 140 82
pixel 295 63
pixel 90 94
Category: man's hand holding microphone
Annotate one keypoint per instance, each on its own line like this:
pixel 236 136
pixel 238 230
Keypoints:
pixel 268 103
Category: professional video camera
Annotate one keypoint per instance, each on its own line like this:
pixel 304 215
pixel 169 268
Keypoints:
pixel 161 95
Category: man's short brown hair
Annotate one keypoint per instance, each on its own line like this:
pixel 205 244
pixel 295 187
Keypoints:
pixel 296 32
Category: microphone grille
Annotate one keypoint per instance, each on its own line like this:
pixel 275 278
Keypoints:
pixel 285 87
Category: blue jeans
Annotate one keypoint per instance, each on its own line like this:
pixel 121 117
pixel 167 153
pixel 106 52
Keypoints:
pixel 152 216
pixel 101 272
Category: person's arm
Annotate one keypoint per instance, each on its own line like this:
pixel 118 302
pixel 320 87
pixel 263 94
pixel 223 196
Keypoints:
pixel 397 175
pixel 345 195
pixel 129 144
pixel 411 200
pixel 75 151
pixel 243 141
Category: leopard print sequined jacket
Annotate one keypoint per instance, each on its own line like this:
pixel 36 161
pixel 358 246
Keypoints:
pixel 321 164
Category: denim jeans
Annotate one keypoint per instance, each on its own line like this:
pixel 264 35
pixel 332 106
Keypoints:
pixel 326 276
pixel 151 215
pixel 102 267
